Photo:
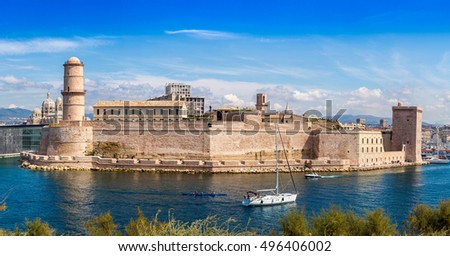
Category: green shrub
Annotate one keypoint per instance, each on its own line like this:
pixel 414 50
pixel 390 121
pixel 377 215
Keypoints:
pixel 425 220
pixel 331 222
pixel 294 223
pixel 37 228
pixel 379 224
pixel 141 226
pixel 102 225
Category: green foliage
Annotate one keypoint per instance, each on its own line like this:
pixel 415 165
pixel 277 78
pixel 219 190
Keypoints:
pixel 336 222
pixel 37 228
pixel 425 220
pixel 331 222
pixel 102 225
pixel 141 226
pixel 295 223
pixel 379 224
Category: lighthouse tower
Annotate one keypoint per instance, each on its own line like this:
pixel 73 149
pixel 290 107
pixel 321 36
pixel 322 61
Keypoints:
pixel 73 93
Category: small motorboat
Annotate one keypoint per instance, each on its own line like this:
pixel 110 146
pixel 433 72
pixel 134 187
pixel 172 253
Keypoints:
pixel 312 175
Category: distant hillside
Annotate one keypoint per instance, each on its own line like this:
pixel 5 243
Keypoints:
pixel 14 115
pixel 370 120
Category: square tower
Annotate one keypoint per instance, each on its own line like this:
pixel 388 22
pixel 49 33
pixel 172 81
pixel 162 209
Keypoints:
pixel 407 131
pixel 261 102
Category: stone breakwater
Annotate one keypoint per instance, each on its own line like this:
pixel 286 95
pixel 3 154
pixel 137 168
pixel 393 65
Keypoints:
pixel 94 163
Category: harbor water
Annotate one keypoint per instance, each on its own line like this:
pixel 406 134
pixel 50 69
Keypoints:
pixel 66 199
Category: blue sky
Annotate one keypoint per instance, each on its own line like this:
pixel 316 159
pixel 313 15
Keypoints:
pixel 363 55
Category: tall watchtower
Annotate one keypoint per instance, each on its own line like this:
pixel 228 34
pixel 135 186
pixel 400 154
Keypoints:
pixel 73 93
pixel 261 102
pixel 407 131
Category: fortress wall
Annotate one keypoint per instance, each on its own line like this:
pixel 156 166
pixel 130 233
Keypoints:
pixel 338 146
pixel 249 143
pixel 150 140
pixel 69 141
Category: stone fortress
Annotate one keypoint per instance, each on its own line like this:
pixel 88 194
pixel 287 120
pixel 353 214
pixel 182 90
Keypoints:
pixel 156 135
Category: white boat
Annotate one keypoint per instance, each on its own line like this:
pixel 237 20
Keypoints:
pixel 312 175
pixel 434 159
pixel 265 197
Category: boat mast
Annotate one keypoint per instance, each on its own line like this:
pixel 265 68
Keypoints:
pixel 276 153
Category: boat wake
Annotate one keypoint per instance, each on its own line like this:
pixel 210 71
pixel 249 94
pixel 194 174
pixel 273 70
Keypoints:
pixel 331 176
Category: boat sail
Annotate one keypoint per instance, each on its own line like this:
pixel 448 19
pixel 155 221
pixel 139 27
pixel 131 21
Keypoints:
pixel 266 197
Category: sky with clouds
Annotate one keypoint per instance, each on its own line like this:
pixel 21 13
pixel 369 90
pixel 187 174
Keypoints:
pixel 362 55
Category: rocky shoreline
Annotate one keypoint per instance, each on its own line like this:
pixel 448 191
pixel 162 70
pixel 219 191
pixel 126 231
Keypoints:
pixel 34 167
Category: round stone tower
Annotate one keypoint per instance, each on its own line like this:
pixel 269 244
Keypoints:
pixel 73 93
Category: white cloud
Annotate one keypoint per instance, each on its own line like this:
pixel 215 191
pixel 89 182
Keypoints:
pixel 311 95
pixel 364 92
pixel 46 45
pixel 204 34
pixel 12 106
pixel 235 101
pixel 12 83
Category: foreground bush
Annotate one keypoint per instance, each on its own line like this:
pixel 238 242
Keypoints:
pixel 425 220
pixel 141 226
pixel 336 222
pixel 32 228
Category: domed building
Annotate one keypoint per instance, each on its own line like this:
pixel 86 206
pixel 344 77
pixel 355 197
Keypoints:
pixel 51 112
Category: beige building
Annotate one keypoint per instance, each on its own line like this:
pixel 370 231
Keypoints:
pixel 182 92
pixel 142 110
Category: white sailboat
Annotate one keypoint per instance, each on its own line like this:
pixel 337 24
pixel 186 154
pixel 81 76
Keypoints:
pixel 266 197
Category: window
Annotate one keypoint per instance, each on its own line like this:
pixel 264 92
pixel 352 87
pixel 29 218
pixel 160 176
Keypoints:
pixel 98 111
pixel 132 111
pixel 363 150
pixel 126 111
pixel 104 111
pixel 112 111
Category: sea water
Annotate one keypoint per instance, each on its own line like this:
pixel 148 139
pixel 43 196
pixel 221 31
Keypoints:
pixel 67 199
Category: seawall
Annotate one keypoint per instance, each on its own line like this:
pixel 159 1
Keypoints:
pixel 95 163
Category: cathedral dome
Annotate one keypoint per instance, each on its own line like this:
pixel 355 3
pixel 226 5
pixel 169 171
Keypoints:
pixel 48 103
pixel 36 111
